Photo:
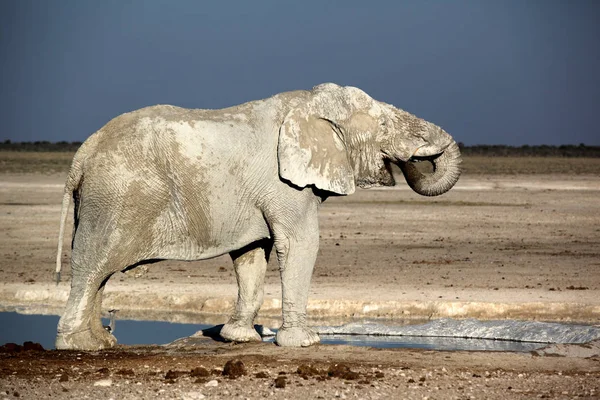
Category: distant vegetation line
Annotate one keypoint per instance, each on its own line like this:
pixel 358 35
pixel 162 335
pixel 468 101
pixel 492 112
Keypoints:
pixel 43 146
pixel 496 150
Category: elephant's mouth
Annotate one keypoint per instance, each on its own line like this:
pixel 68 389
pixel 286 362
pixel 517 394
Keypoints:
pixel 425 158
pixel 431 159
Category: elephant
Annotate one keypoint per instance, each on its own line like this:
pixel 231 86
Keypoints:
pixel 165 182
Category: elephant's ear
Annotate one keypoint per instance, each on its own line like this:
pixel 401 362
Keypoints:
pixel 312 152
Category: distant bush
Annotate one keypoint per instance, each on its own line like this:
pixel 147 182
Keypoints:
pixel 494 150
pixel 40 146
pixel 499 150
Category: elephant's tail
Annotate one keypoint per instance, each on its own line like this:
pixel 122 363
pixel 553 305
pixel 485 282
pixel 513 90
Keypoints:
pixel 72 184
pixel 61 232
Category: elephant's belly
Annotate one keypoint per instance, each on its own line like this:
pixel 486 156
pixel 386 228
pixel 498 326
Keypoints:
pixel 191 244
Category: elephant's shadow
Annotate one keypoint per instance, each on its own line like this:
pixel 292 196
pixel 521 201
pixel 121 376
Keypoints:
pixel 214 333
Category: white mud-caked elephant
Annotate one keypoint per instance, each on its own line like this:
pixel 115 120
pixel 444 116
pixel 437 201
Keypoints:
pixel 166 182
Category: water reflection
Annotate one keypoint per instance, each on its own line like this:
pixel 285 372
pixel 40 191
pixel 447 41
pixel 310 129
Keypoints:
pixel 430 343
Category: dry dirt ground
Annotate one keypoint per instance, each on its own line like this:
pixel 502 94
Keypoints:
pixel 496 246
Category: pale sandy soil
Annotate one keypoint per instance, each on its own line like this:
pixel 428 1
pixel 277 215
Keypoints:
pixel 525 247
pixel 518 247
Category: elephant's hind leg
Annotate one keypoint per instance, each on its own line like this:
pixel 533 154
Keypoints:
pixel 77 328
pixel 96 323
pixel 250 264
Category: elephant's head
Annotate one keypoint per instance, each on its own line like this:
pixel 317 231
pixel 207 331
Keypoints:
pixel 338 137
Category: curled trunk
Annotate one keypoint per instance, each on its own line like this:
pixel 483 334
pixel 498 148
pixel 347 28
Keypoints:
pixel 446 170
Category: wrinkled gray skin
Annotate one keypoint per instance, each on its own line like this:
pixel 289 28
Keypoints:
pixel 165 182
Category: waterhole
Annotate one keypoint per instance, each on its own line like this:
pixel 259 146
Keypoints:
pixel 447 335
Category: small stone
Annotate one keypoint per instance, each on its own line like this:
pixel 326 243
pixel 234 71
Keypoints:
pixel 342 371
pixel 280 382
pixel 199 371
pixel 213 383
pixel 103 382
pixel 125 372
pixel 172 374
pixel 306 370
pixel 192 396
pixel 234 369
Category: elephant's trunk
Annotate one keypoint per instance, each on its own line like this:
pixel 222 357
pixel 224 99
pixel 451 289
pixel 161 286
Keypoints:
pixel 446 170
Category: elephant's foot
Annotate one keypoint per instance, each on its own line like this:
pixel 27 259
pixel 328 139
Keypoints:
pixel 83 340
pixel 296 337
pixel 239 333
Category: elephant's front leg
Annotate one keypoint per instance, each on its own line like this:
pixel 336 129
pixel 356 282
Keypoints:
pixel 250 264
pixel 297 252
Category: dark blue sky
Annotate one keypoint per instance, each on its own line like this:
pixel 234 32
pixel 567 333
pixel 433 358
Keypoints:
pixel 490 72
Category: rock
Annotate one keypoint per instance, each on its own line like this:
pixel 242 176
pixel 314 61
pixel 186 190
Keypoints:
pixel 234 369
pixel 280 382
pixel 192 396
pixel 125 372
pixel 213 383
pixel 342 371
pixel 172 375
pixel 199 371
pixel 306 370
pixel 103 382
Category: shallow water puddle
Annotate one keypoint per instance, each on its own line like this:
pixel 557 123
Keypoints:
pixel 19 328
pixel 430 343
